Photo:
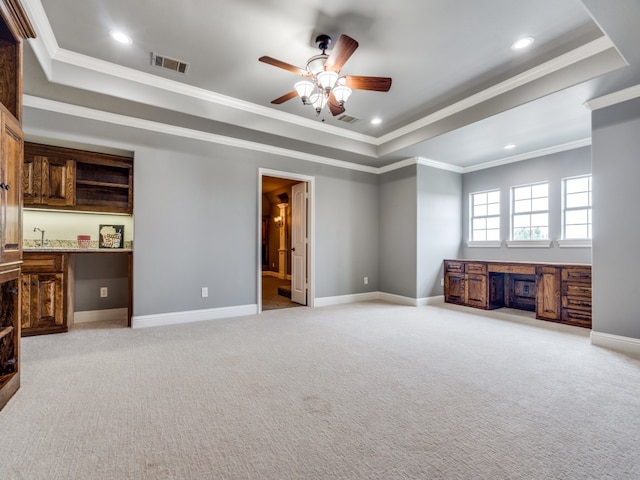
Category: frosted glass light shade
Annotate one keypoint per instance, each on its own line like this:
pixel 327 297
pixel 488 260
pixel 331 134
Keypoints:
pixel 304 89
pixel 327 80
pixel 318 101
pixel 342 93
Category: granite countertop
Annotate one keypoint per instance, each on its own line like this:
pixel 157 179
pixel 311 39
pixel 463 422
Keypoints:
pixel 71 246
pixel 75 250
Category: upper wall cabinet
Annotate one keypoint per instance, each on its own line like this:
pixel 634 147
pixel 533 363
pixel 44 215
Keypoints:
pixel 66 178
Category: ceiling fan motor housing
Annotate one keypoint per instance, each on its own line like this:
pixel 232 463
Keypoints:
pixel 323 42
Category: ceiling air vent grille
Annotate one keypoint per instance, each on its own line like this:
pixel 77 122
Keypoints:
pixel 348 118
pixel 169 63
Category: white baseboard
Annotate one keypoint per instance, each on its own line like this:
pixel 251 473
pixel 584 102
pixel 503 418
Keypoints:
pixel 112 314
pixel 616 342
pixel 342 299
pixel 175 318
pixel 370 296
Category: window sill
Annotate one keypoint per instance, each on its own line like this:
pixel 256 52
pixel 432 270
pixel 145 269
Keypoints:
pixel 578 243
pixel 529 243
pixel 485 244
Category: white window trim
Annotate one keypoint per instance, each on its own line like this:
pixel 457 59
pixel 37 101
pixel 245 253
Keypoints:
pixel 544 243
pixel 529 243
pixel 574 243
pixel 484 243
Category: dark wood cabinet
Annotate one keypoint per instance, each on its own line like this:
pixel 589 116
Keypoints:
pixel 43 293
pixel 48 181
pixel 10 190
pixel 72 179
pixel 466 283
pixel 14 28
pixel 576 296
pixel 555 292
pixel 548 293
pixel 9 334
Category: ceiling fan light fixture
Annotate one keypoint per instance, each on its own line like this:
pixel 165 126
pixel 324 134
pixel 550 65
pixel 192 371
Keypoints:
pixel 318 100
pixel 327 80
pixel 304 89
pixel 341 93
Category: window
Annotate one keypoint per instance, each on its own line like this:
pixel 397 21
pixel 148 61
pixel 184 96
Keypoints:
pixel 485 216
pixel 530 212
pixel 576 198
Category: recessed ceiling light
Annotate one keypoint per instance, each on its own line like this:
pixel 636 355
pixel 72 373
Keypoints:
pixel 376 121
pixel 509 146
pixel 121 37
pixel 522 43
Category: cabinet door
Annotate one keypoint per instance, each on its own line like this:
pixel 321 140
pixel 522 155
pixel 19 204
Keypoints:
pixel 476 291
pixel 548 293
pixel 11 190
pixel 58 180
pixel 454 288
pixel 42 303
pixel 32 180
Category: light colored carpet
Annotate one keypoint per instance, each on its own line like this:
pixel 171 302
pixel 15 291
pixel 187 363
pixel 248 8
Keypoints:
pixel 362 391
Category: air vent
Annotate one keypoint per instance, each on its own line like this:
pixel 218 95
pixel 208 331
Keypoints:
pixel 172 64
pixel 348 118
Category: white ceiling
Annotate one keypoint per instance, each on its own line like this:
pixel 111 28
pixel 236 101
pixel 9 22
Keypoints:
pixel 459 92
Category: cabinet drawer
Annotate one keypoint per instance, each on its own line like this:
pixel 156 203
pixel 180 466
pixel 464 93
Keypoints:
pixel 453 266
pixel 576 289
pixel 577 303
pixel 479 268
pixel 576 317
pixel 43 263
pixel 577 274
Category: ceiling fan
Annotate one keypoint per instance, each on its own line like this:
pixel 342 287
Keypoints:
pixel 323 84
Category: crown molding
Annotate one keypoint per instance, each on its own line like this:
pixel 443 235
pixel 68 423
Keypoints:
pixel 585 142
pixel 581 53
pixel 614 98
pixel 50 55
pixel 148 125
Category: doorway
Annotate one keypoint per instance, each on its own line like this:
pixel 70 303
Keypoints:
pixel 285 243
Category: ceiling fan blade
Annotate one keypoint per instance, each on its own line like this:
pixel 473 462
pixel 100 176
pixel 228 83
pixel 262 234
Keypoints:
pixel 284 65
pixel 285 97
pixel 334 105
pixel 344 48
pixel 376 84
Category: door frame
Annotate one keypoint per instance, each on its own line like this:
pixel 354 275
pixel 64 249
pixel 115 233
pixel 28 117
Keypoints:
pixel 310 181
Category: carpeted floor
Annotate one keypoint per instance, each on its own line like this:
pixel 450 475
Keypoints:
pixel 361 391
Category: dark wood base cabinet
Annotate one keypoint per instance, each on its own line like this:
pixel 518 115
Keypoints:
pixel 9 334
pixel 43 293
pixel 555 292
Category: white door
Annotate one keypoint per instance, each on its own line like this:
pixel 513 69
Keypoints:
pixel 299 243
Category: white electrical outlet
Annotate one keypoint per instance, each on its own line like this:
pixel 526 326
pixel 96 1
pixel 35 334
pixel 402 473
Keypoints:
pixel 104 292
pixel 442 282
pixel 205 292
pixel 366 280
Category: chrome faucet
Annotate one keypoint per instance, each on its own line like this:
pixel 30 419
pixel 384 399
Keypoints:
pixel 36 229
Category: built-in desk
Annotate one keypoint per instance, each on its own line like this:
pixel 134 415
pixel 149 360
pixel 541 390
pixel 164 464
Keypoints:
pixel 555 292
pixel 48 278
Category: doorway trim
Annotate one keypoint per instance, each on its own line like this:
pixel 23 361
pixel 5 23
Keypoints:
pixel 310 181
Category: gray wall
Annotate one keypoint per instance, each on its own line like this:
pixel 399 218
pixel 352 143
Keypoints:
pixel 616 229
pixel 552 168
pixel 196 215
pixel 96 270
pixel 398 232
pixel 439 222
